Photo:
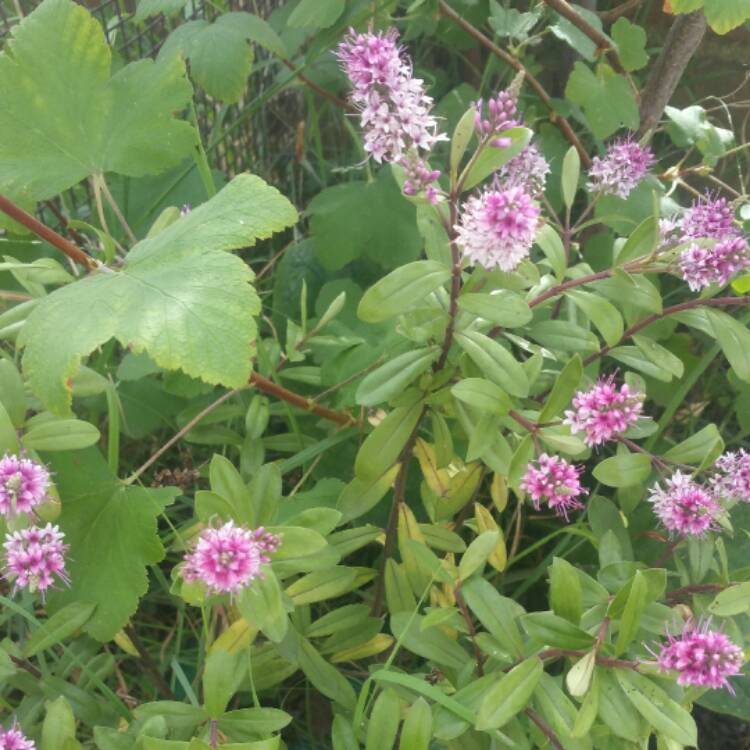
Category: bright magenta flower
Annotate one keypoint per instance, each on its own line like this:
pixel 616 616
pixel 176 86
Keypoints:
pixel 701 657
pixel 685 507
pixel 733 478
pixel 23 485
pixel 34 557
pixel 604 411
pixel 621 168
pixel 13 739
pixel 556 482
pixel 702 266
pixel 228 558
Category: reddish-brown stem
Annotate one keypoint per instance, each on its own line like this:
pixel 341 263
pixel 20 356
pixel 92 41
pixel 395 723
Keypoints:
pixel 610 16
pixel 560 288
pixel 546 730
pixel 647 321
pixel 671 546
pixel 60 216
pixel 273 389
pixel 56 240
pixel 604 661
pixel 331 97
pixel 635 448
pixel 478 656
pixel 516 64
pixel 597 37
pixel 694 588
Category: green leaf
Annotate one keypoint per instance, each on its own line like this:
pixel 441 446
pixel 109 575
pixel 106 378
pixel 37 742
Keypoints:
pixel 551 630
pixel 64 118
pixel 177 297
pixel 61 435
pixel 565 594
pixel 492 158
pixel 259 31
pixel 325 677
pixel 579 677
pixel 642 241
pixel 483 395
pixel 725 15
pixel 261 604
pixel 370 218
pixel 571 171
pixel 623 470
pixel 630 621
pixel 383 445
pixel 606 99
pixel 560 335
pixel 112 533
pixel 59 725
pixel 601 313
pixel 462 134
pixel 496 362
pixel 416 732
pixel 496 613
pixel 633 356
pixel 702 448
pixel 219 681
pixel 501 307
pixel 220 57
pixel 617 713
pixel 477 553
pixel 552 246
pixel 361 495
pixel 510 695
pixel 57 628
pixel 562 391
pixel 148 8
pixel 322 584
pixel 734 340
pixel 316 14
pixel 384 720
pixel 249 723
pixel 12 395
pixel 631 44
pixel 659 355
pixel 401 290
pixel 391 379
pixel 732 601
pixel 432 644
pixel 569 33
pixel 657 707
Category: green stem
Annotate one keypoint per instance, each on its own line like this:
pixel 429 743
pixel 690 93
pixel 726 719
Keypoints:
pixel 200 158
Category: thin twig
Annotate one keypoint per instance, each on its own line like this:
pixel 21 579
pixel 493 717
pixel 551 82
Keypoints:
pixel 75 235
pixel 478 656
pixel 56 240
pixel 116 209
pixel 547 731
pixel 149 664
pixel 610 16
pixel 516 64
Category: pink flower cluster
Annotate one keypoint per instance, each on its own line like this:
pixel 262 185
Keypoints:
pixel 701 657
pixel 394 108
pixel 684 506
pixel 500 116
pixel 34 556
pixel 711 219
pixel 732 480
pixel 556 482
pixel 621 168
pixel 497 228
pixel 605 411
pixel 14 739
pixel 23 485
pixel 527 171
pixel 228 558
pixel 420 178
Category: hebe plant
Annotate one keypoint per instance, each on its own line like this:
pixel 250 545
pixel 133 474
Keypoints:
pixel 508 417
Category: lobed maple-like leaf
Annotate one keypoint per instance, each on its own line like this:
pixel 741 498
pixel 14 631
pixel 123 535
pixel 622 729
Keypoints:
pixel 64 117
pixel 178 297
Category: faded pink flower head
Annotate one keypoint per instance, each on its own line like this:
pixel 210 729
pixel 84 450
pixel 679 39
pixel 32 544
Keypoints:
pixel 420 178
pixel 34 556
pixel 394 108
pixel 228 558
pixel 556 482
pixel 23 485
pixel 499 116
pixel 684 506
pixel 497 228
pixel 709 218
pixel 703 266
pixel 14 739
pixel 621 168
pixel 605 411
pixel 732 480
pixel 527 171
pixel 702 657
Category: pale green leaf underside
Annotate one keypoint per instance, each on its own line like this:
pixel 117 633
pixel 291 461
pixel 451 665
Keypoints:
pixel 177 297
pixel 64 118
pixel 112 532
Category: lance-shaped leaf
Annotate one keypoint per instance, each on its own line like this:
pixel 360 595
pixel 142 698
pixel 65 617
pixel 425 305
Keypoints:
pixel 64 117
pixel 177 297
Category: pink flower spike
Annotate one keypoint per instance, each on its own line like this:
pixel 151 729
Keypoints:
pixel 701 657
pixel 23 485
pixel 621 168
pixel 501 115
pixel 14 739
pixel 497 228
pixel 34 556
pixel 527 171
pixel 685 507
pixel 732 480
pixel 228 558
pixel 604 411
pixel 703 266
pixel 556 482
pixel 709 218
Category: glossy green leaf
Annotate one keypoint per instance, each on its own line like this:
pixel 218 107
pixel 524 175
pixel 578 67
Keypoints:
pixel 325 677
pixel 391 379
pixel 219 681
pixel 501 307
pixel 59 725
pixel 384 720
pixel 732 601
pixel 462 135
pixel 566 597
pixel 630 621
pixel 496 362
pixel 322 584
pixel 57 628
pixel 734 339
pixel 477 553
pixel 491 158
pixel 316 14
pixel 562 336
pixel 551 245
pixel 551 630
pixel 701 448
pixel 571 170
pixel 61 435
pixel 510 695
pixel 601 313
pixel 432 644
pixel 416 732
pixel 642 241
pixel 562 392
pixel 262 605
pixel 497 613
pixel 631 44
pixel 361 495
pixel 623 470
pixel 483 395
